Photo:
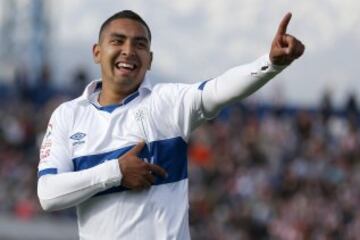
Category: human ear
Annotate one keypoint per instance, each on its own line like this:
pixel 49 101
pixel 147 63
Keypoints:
pixel 96 53
pixel 150 62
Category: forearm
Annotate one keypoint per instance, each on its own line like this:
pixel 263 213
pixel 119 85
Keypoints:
pixel 236 84
pixel 68 189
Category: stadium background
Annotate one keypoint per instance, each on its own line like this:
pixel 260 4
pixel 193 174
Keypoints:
pixel 284 164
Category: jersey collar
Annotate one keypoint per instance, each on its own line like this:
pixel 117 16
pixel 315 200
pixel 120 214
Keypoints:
pixel 145 87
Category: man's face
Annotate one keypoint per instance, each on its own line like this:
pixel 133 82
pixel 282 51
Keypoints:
pixel 124 55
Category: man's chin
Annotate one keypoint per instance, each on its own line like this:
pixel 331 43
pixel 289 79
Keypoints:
pixel 123 81
pixel 127 84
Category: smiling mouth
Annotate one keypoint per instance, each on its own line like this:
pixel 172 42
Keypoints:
pixel 123 66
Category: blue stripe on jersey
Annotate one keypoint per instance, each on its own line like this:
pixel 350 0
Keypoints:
pixel 202 85
pixel 170 154
pixel 130 98
pixel 47 171
pixel 86 162
pixel 109 108
pixel 112 107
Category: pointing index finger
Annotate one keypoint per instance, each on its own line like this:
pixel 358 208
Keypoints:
pixel 283 24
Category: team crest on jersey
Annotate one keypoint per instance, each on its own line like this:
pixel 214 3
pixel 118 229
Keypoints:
pixel 78 137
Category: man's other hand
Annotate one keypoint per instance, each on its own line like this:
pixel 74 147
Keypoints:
pixel 138 174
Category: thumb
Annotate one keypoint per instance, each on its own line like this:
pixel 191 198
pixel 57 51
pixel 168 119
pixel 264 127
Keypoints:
pixel 137 148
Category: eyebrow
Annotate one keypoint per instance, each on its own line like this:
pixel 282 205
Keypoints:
pixel 137 38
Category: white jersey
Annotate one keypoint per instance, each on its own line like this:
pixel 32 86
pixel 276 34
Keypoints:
pixel 84 141
pixel 163 116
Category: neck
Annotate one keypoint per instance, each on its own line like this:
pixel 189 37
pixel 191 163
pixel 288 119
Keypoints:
pixel 110 95
pixel 109 98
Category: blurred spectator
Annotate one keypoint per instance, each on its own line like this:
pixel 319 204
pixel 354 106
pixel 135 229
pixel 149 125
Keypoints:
pixel 351 105
pixel 79 82
pixel 22 84
pixel 326 107
pixel 43 90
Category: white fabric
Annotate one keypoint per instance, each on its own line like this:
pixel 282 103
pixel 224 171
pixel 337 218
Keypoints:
pixel 237 83
pixel 69 189
pixel 163 116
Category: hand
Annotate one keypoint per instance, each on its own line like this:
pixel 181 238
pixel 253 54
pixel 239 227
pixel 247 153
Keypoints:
pixel 285 48
pixel 138 174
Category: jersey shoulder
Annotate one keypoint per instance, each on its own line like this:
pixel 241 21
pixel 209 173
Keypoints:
pixel 66 111
pixel 174 90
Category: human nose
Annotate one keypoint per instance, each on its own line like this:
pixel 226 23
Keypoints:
pixel 128 49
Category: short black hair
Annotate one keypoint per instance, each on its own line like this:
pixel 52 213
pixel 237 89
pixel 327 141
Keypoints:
pixel 124 14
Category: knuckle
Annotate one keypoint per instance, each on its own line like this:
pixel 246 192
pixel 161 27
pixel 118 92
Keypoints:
pixel 145 166
pixel 291 51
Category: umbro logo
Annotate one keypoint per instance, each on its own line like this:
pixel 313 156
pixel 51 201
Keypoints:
pixel 78 137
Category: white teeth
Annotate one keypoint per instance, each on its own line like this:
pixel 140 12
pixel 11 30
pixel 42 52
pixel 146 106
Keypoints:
pixel 125 65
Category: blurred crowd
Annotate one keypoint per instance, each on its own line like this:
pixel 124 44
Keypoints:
pixel 255 172
pixel 25 109
pixel 260 172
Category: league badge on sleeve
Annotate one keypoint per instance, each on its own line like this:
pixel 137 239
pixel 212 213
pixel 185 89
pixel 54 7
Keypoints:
pixel 46 144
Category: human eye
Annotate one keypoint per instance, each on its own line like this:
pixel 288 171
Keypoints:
pixel 117 41
pixel 141 44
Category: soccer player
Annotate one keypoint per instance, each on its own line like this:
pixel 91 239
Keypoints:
pixel 118 152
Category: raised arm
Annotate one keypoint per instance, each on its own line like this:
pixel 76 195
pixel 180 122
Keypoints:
pixel 240 82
